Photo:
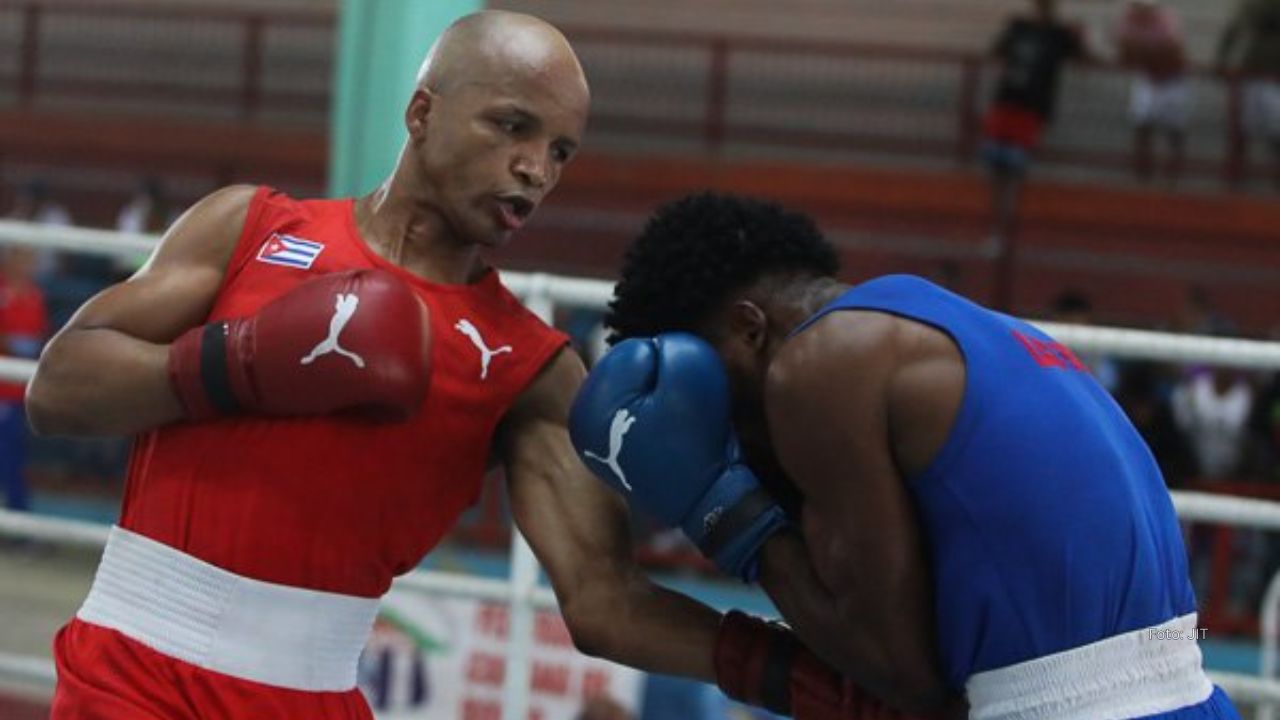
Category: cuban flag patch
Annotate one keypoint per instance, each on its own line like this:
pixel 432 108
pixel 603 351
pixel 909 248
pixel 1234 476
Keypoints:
pixel 290 251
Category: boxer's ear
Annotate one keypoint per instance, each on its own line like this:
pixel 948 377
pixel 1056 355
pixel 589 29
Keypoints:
pixel 748 325
pixel 416 113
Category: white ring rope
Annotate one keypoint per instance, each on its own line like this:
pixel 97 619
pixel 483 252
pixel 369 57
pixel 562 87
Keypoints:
pixel 16 369
pixel 542 292
pixel 1241 512
pixel 89 241
pixel 590 293
pixel 1166 347
pixel 26 669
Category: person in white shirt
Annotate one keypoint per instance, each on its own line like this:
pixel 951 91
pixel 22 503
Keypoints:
pixel 1151 41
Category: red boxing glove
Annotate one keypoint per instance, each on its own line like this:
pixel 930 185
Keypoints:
pixel 763 664
pixel 356 340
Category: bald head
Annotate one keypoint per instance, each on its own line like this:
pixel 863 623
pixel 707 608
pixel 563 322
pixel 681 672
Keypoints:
pixel 485 47
pixel 500 109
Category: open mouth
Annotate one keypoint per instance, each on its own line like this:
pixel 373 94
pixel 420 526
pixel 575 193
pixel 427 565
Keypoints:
pixel 519 204
pixel 514 210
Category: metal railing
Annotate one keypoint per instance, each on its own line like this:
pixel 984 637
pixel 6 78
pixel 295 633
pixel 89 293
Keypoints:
pixel 712 90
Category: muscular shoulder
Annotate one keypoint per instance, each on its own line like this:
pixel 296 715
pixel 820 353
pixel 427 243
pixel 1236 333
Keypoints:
pixel 869 368
pixel 232 199
pixel 534 425
pixel 552 391
pixel 207 233
pixel 226 207
pixel 840 346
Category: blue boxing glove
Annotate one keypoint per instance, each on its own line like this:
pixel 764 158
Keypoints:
pixel 653 421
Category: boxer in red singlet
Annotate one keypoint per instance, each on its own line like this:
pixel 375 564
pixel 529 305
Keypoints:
pixel 318 387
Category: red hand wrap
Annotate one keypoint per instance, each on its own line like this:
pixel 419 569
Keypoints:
pixel 763 664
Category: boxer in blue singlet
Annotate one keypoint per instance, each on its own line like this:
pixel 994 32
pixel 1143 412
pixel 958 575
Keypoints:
pixel 969 518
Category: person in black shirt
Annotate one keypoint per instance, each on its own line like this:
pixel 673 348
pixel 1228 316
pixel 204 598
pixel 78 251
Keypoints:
pixel 1032 51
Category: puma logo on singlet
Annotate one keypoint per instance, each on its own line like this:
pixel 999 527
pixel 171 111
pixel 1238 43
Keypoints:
pixel 344 307
pixel 622 422
pixel 465 327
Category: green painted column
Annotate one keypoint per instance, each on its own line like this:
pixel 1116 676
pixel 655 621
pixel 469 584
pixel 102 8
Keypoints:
pixel 381 44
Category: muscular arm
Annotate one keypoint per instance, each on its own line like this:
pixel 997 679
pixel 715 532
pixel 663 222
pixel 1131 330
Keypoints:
pixel 857 589
pixel 580 532
pixel 105 372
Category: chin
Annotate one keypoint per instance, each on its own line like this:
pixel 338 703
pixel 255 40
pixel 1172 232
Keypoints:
pixel 494 240
pixel 485 235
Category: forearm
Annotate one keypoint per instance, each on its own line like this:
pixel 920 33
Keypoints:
pixel 650 628
pixel 101 382
pixel 813 612
pixel 857 641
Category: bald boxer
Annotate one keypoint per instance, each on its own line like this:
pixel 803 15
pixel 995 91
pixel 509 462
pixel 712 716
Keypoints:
pixel 970 517
pixel 318 388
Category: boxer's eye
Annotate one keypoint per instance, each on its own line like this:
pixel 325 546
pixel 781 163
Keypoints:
pixel 510 126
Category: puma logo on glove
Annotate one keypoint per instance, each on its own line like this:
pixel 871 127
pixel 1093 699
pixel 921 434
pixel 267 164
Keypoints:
pixel 622 422
pixel 251 364
pixel 684 467
pixel 344 308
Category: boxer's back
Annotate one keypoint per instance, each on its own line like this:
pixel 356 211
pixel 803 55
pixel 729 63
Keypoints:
pixel 1047 519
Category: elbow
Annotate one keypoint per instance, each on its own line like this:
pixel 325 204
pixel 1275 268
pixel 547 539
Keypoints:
pixel 589 627
pixel 49 418
pixel 46 414
pixel 38 421
pixel 43 416
pixel 595 613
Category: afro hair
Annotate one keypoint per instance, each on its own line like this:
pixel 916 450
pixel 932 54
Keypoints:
pixel 697 250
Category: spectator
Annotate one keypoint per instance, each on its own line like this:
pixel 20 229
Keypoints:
pixel 1212 409
pixel 34 203
pixel 61 275
pixel 1032 51
pixel 1151 41
pixel 150 212
pixel 23 328
pixel 1200 316
pixel 1143 394
pixel 65 281
pixel 1251 45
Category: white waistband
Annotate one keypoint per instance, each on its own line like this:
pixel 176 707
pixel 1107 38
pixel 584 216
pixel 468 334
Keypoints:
pixel 203 615
pixel 1144 672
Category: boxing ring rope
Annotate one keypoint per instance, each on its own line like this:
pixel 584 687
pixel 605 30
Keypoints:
pixel 543 293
